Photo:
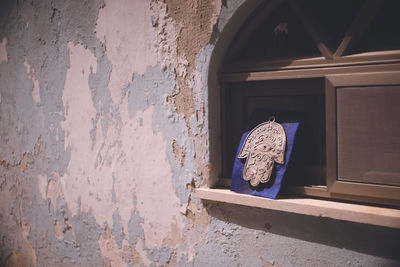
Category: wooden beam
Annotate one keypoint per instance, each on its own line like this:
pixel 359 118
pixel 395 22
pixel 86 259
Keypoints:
pixel 358 27
pixel 368 58
pixel 317 34
pixel 252 26
pixel 304 73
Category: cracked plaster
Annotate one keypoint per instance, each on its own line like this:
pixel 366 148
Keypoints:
pixel 97 99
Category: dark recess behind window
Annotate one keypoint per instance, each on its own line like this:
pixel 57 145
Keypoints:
pixel 304 99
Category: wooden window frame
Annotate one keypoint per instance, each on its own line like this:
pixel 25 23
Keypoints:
pixel 339 72
pixel 337 68
pixel 345 187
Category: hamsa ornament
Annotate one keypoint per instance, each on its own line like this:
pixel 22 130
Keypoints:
pixel 264 146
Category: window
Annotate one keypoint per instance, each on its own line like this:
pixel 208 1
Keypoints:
pixel 337 65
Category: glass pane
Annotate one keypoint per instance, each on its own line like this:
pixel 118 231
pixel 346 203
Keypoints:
pixel 292 100
pixel 368 129
pixel 384 32
pixel 335 16
pixel 307 163
pixel 281 35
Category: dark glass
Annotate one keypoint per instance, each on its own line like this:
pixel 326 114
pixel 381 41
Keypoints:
pixel 383 33
pixel 280 36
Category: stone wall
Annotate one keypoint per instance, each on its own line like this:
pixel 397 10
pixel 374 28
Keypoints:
pixel 107 123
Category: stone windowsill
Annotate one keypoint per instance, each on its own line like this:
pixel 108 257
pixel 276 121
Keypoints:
pixel 388 217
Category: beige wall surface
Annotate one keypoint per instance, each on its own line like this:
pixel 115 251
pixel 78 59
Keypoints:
pixel 108 121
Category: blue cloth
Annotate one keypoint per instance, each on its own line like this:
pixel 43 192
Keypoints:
pixel 271 188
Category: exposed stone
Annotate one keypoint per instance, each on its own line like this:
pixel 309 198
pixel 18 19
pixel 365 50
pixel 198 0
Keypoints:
pixel 179 153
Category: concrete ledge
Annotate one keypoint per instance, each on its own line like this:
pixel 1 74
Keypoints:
pixel 388 217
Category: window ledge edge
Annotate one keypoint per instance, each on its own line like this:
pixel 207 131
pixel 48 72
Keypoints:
pixel 358 213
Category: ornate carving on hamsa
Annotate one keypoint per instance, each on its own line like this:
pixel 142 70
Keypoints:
pixel 264 145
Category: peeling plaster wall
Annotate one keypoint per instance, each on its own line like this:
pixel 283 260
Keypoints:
pixel 107 122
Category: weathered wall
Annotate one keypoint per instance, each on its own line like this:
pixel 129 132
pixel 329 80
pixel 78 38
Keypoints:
pixel 104 131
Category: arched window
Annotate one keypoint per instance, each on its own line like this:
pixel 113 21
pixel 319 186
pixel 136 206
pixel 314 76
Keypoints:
pixel 336 65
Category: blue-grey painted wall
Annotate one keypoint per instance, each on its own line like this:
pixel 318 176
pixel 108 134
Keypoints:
pixel 109 119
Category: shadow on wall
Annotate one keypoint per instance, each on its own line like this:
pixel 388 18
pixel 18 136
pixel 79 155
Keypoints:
pixel 368 239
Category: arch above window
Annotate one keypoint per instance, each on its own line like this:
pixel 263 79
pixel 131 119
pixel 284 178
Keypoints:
pixel 283 30
pixel 301 56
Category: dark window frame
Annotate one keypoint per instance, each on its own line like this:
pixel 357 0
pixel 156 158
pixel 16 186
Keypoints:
pixel 338 69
